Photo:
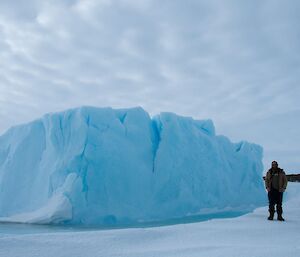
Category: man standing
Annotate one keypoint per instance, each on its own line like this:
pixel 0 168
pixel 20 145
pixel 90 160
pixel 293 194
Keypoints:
pixel 276 183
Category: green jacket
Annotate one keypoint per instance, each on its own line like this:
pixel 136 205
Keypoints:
pixel 281 177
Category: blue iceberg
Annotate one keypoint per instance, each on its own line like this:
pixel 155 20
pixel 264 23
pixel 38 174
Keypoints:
pixel 99 166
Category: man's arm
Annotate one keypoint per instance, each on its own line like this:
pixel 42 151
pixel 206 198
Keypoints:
pixel 285 181
pixel 267 181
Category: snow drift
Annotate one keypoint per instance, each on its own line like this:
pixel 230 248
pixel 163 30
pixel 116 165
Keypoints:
pixel 104 166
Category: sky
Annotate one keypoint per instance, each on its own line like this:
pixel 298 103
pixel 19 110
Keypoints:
pixel 235 62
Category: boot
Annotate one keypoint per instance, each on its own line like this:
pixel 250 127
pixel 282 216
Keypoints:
pixel 271 216
pixel 279 213
pixel 271 211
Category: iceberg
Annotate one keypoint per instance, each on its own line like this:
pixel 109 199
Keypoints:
pixel 102 166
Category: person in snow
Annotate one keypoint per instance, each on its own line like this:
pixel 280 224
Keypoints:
pixel 276 183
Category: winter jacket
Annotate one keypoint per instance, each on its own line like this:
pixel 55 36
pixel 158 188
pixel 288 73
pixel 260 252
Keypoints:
pixel 282 180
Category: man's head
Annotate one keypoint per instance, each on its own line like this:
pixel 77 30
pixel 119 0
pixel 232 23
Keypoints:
pixel 274 164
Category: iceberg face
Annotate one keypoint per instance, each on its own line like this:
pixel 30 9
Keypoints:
pixel 104 166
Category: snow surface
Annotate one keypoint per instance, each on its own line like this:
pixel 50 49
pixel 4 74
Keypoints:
pixel 105 166
pixel 251 235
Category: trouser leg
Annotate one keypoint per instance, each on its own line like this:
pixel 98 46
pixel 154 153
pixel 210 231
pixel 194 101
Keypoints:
pixel 271 204
pixel 279 204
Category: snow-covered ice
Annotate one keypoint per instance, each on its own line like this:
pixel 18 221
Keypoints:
pixel 120 166
pixel 251 235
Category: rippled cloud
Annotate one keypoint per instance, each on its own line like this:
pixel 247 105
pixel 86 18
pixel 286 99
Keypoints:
pixel 235 62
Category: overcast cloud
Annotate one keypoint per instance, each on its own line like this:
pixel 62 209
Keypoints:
pixel 236 62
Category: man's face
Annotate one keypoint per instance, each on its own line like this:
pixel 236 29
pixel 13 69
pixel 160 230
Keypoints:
pixel 274 165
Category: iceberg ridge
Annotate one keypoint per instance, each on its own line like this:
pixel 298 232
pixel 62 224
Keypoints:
pixel 120 166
